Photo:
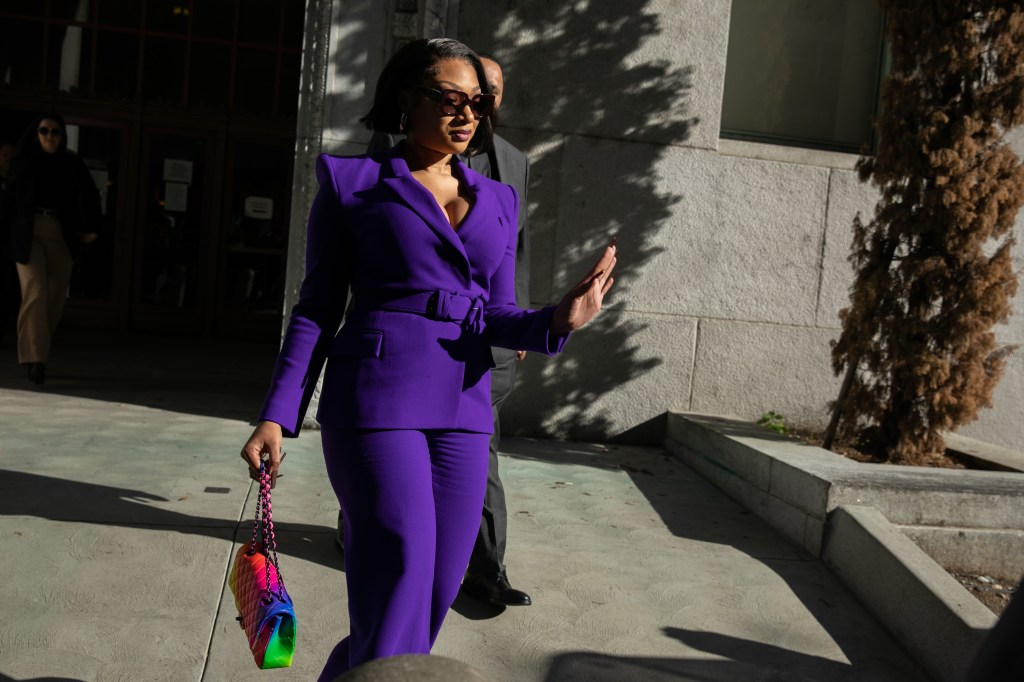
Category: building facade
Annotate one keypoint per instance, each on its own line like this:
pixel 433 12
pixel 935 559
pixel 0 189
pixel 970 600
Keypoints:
pixel 185 111
pixel 717 139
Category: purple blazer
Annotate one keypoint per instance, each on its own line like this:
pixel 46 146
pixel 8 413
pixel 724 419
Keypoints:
pixel 428 302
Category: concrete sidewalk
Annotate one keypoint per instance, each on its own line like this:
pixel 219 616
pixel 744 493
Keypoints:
pixel 123 500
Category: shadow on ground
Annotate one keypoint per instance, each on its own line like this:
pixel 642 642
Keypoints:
pixel 206 377
pixel 56 499
pixel 691 508
pixel 740 660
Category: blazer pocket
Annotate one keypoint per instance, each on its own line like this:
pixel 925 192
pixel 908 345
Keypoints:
pixel 361 344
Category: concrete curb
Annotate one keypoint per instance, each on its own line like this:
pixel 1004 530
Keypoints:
pixel 807 494
pixel 984 455
pixel 931 614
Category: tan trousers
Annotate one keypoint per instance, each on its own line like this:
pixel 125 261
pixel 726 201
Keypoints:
pixel 44 287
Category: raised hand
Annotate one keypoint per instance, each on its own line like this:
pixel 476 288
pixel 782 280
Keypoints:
pixel 584 300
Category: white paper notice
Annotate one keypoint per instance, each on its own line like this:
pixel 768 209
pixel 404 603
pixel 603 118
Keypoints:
pixel 261 208
pixel 178 170
pixel 175 197
pixel 102 180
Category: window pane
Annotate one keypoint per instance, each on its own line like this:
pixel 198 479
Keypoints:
pixel 21 54
pixel 208 76
pixel 258 22
pixel 294 18
pixel 162 72
pixel 70 57
pixel 174 221
pixel 126 13
pixel 31 8
pixel 257 239
pixel 68 10
pixel 117 55
pixel 92 278
pixel 803 72
pixel 167 16
pixel 213 18
pixel 288 98
pixel 254 81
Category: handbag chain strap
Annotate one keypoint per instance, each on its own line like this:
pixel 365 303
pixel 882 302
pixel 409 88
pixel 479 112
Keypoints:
pixel 263 529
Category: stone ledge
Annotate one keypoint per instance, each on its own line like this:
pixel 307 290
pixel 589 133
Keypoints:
pixel 859 518
pixel 928 611
pixel 975 551
pixel 985 455
pixel 795 485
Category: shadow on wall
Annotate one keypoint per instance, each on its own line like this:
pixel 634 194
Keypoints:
pixel 594 117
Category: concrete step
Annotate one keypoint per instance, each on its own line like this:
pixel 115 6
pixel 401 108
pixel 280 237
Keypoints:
pixel 872 524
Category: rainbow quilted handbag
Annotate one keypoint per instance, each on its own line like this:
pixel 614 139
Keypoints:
pixel 265 610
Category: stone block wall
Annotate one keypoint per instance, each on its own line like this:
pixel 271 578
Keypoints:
pixel 732 266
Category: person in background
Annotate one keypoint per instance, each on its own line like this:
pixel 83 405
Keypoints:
pixel 49 207
pixel 487 578
pixel 427 248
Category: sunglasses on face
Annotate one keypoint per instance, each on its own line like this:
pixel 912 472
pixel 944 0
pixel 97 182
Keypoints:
pixel 451 102
pixel 56 132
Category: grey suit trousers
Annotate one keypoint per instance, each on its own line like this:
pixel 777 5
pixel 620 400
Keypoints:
pixel 489 551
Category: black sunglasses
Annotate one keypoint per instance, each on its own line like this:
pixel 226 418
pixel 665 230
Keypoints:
pixel 56 132
pixel 451 102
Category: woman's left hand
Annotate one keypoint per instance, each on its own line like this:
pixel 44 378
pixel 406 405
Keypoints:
pixel 584 300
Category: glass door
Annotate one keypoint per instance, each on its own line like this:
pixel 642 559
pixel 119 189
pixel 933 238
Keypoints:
pixel 174 283
pixel 97 282
pixel 258 189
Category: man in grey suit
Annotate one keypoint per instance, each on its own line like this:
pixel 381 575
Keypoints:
pixel 486 578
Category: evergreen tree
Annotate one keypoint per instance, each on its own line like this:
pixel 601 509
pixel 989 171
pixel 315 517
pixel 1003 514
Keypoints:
pixel 933 271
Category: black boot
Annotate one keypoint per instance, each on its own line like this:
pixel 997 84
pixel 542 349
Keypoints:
pixel 37 372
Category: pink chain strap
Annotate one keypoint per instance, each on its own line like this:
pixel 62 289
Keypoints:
pixel 263 532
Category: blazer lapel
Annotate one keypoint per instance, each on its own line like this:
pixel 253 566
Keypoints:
pixel 397 176
pixel 484 210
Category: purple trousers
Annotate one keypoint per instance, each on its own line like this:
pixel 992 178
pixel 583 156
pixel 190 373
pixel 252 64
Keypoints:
pixel 412 502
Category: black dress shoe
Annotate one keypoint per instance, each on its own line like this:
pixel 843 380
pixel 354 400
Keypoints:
pixel 494 588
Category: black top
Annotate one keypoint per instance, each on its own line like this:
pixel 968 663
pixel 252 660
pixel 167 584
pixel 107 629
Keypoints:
pixel 53 175
pixel 53 182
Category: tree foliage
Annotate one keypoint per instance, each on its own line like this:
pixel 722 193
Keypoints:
pixel 933 269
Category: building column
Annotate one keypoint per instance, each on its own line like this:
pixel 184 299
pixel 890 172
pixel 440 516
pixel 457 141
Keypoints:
pixel 346 44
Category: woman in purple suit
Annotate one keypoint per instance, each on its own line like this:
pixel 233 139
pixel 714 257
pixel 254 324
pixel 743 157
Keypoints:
pixel 426 247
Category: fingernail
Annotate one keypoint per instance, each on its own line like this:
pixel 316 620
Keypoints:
pixel 614 243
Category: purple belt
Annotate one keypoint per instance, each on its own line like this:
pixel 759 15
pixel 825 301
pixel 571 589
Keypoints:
pixel 440 305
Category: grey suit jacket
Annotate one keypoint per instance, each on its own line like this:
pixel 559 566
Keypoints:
pixel 513 169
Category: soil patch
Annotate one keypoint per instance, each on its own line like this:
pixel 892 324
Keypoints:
pixel 995 593
pixel 851 450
